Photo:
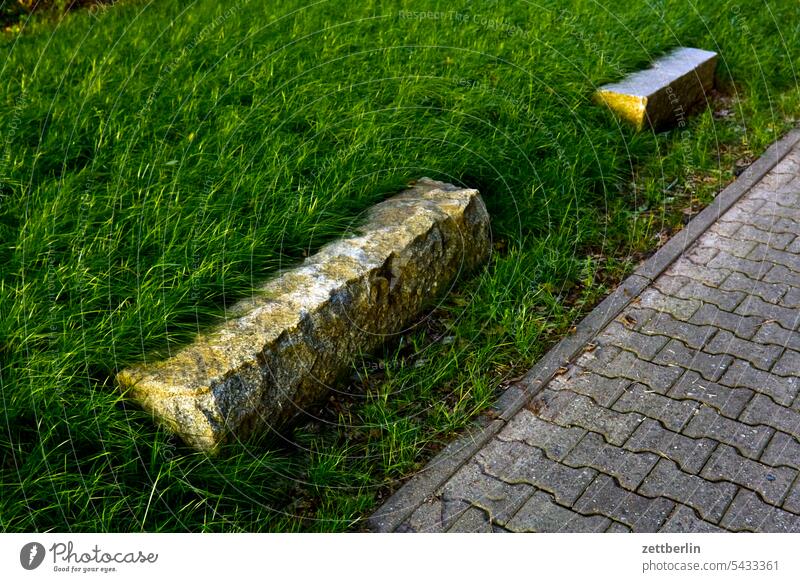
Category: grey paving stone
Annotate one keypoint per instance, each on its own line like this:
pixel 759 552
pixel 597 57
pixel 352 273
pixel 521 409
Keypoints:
pixel 759 355
pixel 542 514
pixel 788 365
pixel 689 453
pixel 473 520
pixel 657 377
pixel 777 225
pixel 749 440
pixel 555 440
pixel 772 483
pixel 769 292
pixel 681 309
pixel 770 209
pixel 607 498
pixel 746 207
pixel 749 513
pixel 709 498
pixel 567 408
pixel 725 228
pixel 701 273
pixel 788 318
pixel 686 288
pixel 709 366
pixel 782 389
pixel 725 260
pixel 764 253
pixel 772 333
pixel 602 390
pixel 617 527
pixel 674 414
pixel 684 520
pixel 790 299
pixel 792 501
pixel 427 518
pixel 694 336
pixel 727 401
pixel 735 246
pixel 744 327
pixel 530 466
pixel 644 346
pixel 698 254
pixel 783 449
pixel 472 486
pixel 628 467
pixel 774 240
pixel 782 276
pixel 763 410
pixel 598 359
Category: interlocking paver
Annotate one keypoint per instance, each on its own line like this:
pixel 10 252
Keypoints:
pixel 657 377
pixel 783 449
pixel 686 288
pixel 744 327
pixel 769 292
pixel 709 498
pixel 556 441
pixel 682 414
pixel 689 453
pixel 748 439
pixel 530 466
pixel 679 308
pixel 711 367
pixel 728 401
pixel 684 520
pixel 771 483
pixel 602 390
pixel 782 276
pixel 694 336
pixel 643 345
pixel 792 501
pixel 750 233
pixel 674 414
pixel 607 498
pixel 628 467
pixel 763 410
pixel 567 408
pixel 782 389
pixel 542 514
pixel 759 355
pixel 787 317
pixel 774 334
pixel 789 364
pixel 729 262
pixel 765 253
pixel 749 513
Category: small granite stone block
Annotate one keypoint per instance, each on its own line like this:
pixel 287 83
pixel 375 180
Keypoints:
pixel 665 93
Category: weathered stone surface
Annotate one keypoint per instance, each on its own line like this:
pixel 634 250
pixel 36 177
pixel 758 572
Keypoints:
pixel 281 349
pixel 665 93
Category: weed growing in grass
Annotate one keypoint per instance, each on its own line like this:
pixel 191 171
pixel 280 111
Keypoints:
pixel 161 159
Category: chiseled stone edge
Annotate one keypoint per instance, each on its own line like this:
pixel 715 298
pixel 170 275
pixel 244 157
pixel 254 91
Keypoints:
pixel 424 484
pixel 665 103
pixel 279 351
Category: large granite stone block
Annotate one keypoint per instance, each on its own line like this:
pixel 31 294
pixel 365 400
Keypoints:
pixel 280 351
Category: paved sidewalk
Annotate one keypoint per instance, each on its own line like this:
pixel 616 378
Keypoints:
pixel 678 413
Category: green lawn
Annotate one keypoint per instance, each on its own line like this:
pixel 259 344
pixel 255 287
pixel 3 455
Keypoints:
pixel 160 158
